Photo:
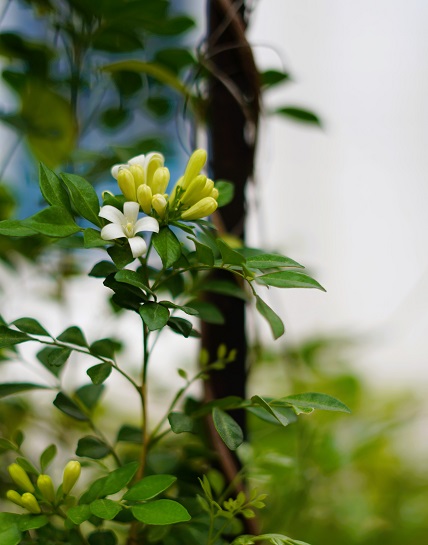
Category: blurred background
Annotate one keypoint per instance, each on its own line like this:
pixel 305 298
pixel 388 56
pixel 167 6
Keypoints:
pixel 347 197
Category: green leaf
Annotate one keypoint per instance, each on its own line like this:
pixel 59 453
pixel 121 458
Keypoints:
pixel 94 491
pixel 54 221
pixel 92 239
pixel 313 400
pixel 31 522
pixel 129 434
pixel 158 106
pixel 52 189
pixel 119 478
pixel 228 255
pixel 47 456
pixel 79 513
pixel 83 197
pixel 298 114
pixel 174 58
pixel 224 287
pixel 10 337
pixel 226 192
pixel 188 310
pixel 105 509
pixel 69 407
pixel 203 252
pixel 167 246
pixel 102 537
pixel 6 445
pixel 181 326
pixel 149 487
pixel 230 432
pixel 103 269
pixel 92 447
pixel 173 26
pixel 26 465
pixel 105 348
pixel 160 512
pixel 54 358
pixel 269 261
pixel 289 279
pixel 89 395
pixel 207 312
pixel 269 78
pixel 132 278
pixel 154 315
pixel 280 417
pixel 10 535
pixel 31 326
pixel 73 335
pixel 181 422
pixel 273 319
pixel 99 373
pixel 121 255
pixel 11 388
pixel 15 228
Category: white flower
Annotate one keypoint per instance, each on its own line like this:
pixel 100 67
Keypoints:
pixel 141 160
pixel 127 225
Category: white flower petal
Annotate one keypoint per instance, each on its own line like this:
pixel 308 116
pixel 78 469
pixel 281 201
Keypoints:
pixel 130 210
pixel 112 231
pixel 111 213
pixel 138 160
pixel 138 246
pixel 115 169
pixel 147 224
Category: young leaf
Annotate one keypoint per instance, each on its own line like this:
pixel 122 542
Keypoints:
pixel 289 279
pixel 47 456
pixel 154 315
pixel 83 197
pixel 228 255
pixel 226 192
pixel 181 422
pixel 11 388
pixel 119 478
pixel 54 358
pixel 99 373
pixel 299 114
pixel 10 337
pixel 52 189
pixel 149 487
pixel 313 400
pixel 73 335
pixel 160 512
pixel 31 326
pixel 54 221
pixel 273 319
pixel 105 509
pixel 270 261
pixel 68 407
pixel 230 432
pixel 167 246
pixel 92 447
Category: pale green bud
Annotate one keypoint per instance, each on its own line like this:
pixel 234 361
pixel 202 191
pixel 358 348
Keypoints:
pixel 159 204
pixel 126 183
pixel 193 193
pixel 155 162
pixel 20 477
pixel 160 180
pixel 144 197
pixel 194 166
pixel 46 487
pixel 70 476
pixel 201 209
pixel 209 186
pixel 13 496
pixel 137 172
pixel 214 193
pixel 30 503
pixel 177 186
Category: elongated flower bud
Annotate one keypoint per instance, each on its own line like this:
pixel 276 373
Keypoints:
pixel 13 496
pixel 154 162
pixel 20 477
pixel 159 204
pixel 176 189
pixel 194 166
pixel 193 193
pixel 70 476
pixel 46 487
pixel 137 172
pixel 202 208
pixel 209 186
pixel 126 183
pixel 144 197
pixel 214 193
pixel 160 180
pixel 30 503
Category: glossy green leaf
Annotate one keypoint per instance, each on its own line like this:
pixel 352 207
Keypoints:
pixel 31 326
pixel 269 78
pixel 10 337
pixel 95 489
pixel 73 335
pixel 207 312
pixel 26 465
pixel 79 513
pixel 11 388
pixel 31 522
pixel 89 395
pixel 121 255
pixel 160 512
pixel 92 239
pixel 182 327
pixel 83 197
pixel 10 535
pixel 272 318
pixel 132 278
pixel 230 432
pixel 52 188
pixel 54 221
pixel 204 253
pixel 54 358
pixel 47 456
pixel 188 310
pixel 99 373
pixel 298 114
pixel 226 192
pixel 270 261
pixel 15 228
pixel 313 400
pixel 228 255
pixel 167 246
pixel 280 417
pixel 105 509
pixel 289 279
pixel 149 487
pixel 154 315
pixel 106 348
pixel 119 478
pixel 129 434
pixel 181 422
pixel 103 269
pixel 69 407
pixel 92 447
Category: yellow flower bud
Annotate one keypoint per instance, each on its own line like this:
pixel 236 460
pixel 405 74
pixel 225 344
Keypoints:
pixel 144 197
pixel 46 487
pixel 155 162
pixel 160 180
pixel 30 503
pixel 209 186
pixel 13 496
pixel 194 166
pixel 193 193
pixel 126 183
pixel 214 193
pixel 20 477
pixel 159 204
pixel 70 476
pixel 137 172
pixel 173 194
pixel 202 208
